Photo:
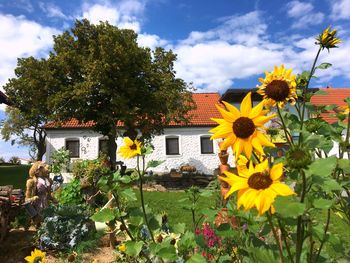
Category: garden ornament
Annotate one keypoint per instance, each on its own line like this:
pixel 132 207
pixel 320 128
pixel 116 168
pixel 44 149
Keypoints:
pixel 38 188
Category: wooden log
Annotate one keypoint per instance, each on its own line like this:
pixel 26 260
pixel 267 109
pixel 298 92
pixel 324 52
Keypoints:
pixel 6 188
pixel 5 193
pixel 5 199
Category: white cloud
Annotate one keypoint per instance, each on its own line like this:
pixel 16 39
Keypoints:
pixel 20 37
pixel 124 14
pixel 303 14
pixel 52 10
pixel 245 29
pixel 340 9
pixel 151 41
pixel 298 9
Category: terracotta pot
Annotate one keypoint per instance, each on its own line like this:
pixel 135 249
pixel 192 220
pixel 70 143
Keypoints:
pixel 223 156
pixel 220 143
pixel 223 168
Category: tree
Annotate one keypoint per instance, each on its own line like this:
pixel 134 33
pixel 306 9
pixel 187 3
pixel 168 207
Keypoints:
pixel 106 77
pixel 28 93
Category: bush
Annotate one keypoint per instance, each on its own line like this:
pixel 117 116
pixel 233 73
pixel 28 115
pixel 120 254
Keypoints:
pixel 70 193
pixel 64 227
pixel 14 160
pixel 60 161
pixel 90 171
pixel 2 160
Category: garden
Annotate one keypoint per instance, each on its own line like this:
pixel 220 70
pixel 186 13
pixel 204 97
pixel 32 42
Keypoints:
pixel 264 207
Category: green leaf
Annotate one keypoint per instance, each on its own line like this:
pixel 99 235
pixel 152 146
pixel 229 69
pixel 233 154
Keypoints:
pixel 187 241
pixel 104 215
pixel 206 193
pixel 197 259
pixel 133 248
pixel 322 167
pixel 168 252
pixel 262 255
pixel 344 164
pixel 148 150
pixel 154 163
pixel 324 65
pixel 128 194
pixel 322 203
pixel 179 228
pixel 288 206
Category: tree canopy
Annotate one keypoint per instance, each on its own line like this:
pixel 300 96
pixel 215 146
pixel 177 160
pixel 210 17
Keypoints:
pixel 28 93
pixel 105 76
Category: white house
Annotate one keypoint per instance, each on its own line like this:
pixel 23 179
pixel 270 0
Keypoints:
pixel 179 144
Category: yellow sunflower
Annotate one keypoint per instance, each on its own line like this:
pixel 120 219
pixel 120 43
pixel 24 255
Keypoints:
pixel 130 148
pixel 257 186
pixel 243 162
pixel 278 87
pixel 36 256
pixel 242 130
pixel 327 38
pixel 122 248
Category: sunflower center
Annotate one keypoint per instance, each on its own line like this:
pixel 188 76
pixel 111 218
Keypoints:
pixel 277 90
pixel 297 154
pixel 133 147
pixel 243 127
pixel 259 181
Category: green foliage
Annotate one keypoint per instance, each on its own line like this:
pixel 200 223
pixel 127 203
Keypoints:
pixel 60 161
pixel 14 160
pixel 70 193
pixel 118 79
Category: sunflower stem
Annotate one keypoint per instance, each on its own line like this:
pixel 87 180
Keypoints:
pixel 324 235
pixel 141 195
pixel 286 132
pixel 284 237
pixel 278 241
pixel 313 68
pixel 300 225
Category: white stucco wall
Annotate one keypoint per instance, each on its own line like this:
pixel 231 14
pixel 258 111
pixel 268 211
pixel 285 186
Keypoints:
pixel 189 147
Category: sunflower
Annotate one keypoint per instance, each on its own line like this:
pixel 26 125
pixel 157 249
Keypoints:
pixel 36 256
pixel 327 38
pixel 122 248
pixel 278 87
pixel 243 162
pixel 130 148
pixel 242 130
pixel 257 186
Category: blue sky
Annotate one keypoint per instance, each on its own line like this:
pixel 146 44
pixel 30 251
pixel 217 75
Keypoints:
pixel 220 44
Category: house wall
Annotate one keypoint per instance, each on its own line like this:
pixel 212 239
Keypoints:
pixel 189 147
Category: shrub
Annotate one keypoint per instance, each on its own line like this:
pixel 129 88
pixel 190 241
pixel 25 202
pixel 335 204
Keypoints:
pixel 14 160
pixel 60 160
pixel 70 193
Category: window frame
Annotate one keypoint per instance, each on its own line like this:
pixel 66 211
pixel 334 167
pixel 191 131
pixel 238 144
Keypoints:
pixel 99 145
pixel 66 146
pixel 206 136
pixel 170 137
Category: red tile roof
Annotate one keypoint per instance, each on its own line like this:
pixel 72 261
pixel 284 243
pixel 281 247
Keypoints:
pixel 200 116
pixel 335 96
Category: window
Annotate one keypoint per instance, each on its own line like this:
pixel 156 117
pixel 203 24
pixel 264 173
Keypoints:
pixel 206 145
pixel 73 147
pixel 103 146
pixel 172 145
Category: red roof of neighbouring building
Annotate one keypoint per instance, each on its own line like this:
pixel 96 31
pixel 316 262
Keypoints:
pixel 335 96
pixel 205 110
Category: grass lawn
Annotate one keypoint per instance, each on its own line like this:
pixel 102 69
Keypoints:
pixel 15 175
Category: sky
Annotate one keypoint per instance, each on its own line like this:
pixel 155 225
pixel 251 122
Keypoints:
pixel 219 44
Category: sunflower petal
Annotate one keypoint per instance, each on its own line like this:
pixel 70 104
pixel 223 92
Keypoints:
pixel 235 187
pixel 281 189
pixel 276 171
pixel 256 111
pixel 228 116
pixel 232 109
pixel 246 105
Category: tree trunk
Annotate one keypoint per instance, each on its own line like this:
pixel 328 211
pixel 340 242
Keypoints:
pixel 40 143
pixel 112 149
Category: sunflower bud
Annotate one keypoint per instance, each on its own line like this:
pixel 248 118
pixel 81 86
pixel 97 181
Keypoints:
pixel 298 157
pixel 327 39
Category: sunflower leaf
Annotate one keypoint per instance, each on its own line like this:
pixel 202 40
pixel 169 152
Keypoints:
pixel 324 65
pixel 322 167
pixel 197 259
pixel 288 207
pixel 154 163
pixel 133 248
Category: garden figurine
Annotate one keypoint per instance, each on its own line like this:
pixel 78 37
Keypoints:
pixel 38 187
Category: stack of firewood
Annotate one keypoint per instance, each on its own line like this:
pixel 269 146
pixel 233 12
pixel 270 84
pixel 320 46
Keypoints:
pixel 10 196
